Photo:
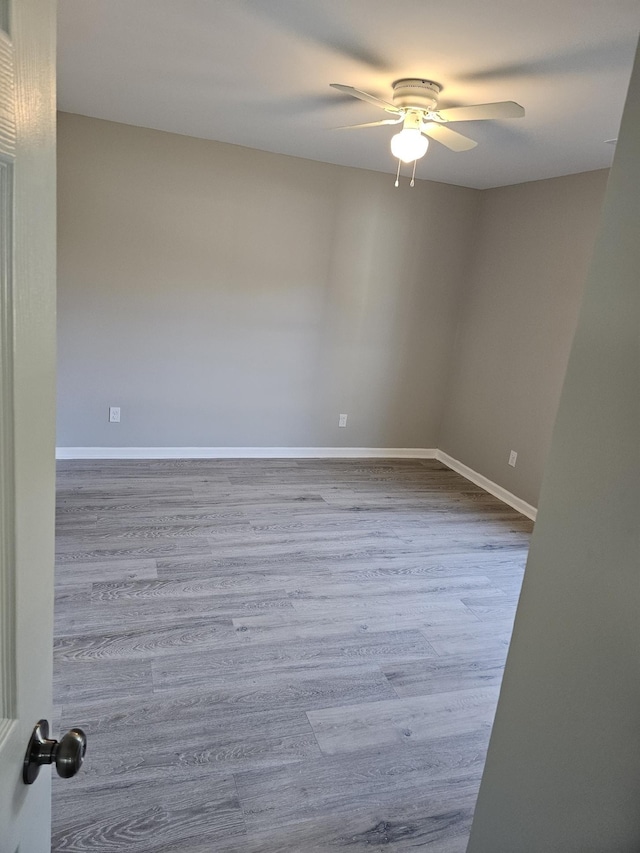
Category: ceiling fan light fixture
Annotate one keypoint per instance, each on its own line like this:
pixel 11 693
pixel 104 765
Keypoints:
pixel 409 145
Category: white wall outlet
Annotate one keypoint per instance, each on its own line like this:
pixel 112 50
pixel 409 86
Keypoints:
pixel 114 414
pixel 342 421
pixel 513 458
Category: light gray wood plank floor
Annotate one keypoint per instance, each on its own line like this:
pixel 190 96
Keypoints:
pixel 278 656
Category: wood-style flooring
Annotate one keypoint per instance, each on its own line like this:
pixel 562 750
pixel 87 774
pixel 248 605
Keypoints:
pixel 278 656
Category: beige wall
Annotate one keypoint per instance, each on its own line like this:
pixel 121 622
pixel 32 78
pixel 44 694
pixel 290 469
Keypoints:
pixel 518 316
pixel 225 296
pixel 563 771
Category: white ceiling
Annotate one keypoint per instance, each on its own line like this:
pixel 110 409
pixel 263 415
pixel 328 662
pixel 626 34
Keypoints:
pixel 257 73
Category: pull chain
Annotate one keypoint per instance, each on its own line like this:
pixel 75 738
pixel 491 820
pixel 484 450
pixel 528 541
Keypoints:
pixel 413 176
pixel 398 172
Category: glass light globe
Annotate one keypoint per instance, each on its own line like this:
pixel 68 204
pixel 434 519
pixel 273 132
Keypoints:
pixel 409 145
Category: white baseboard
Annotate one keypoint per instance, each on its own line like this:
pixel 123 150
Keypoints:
pixel 301 453
pixel 488 485
pixel 245 453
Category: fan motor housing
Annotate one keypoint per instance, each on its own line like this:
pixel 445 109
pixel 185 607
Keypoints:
pixel 417 93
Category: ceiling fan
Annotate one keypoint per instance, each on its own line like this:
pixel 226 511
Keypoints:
pixel 415 105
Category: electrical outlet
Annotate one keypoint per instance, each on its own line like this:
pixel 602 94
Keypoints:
pixel 342 421
pixel 114 414
pixel 513 458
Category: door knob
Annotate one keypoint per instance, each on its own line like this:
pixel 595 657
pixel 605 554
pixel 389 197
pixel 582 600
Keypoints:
pixel 67 754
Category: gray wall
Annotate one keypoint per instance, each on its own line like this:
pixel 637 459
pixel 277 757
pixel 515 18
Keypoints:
pixel 228 297
pixel 519 312
pixel 563 770
pixel 225 296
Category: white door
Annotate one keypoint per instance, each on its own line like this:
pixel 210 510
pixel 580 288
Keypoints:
pixel 27 407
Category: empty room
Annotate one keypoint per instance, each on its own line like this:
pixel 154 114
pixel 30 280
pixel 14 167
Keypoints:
pixel 328 340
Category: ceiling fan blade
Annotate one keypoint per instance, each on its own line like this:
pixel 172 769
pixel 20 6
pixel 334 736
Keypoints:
pixel 449 138
pixel 364 96
pixel 370 124
pixel 478 112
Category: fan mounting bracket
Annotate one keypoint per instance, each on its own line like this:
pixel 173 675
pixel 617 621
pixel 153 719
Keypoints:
pixel 416 93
